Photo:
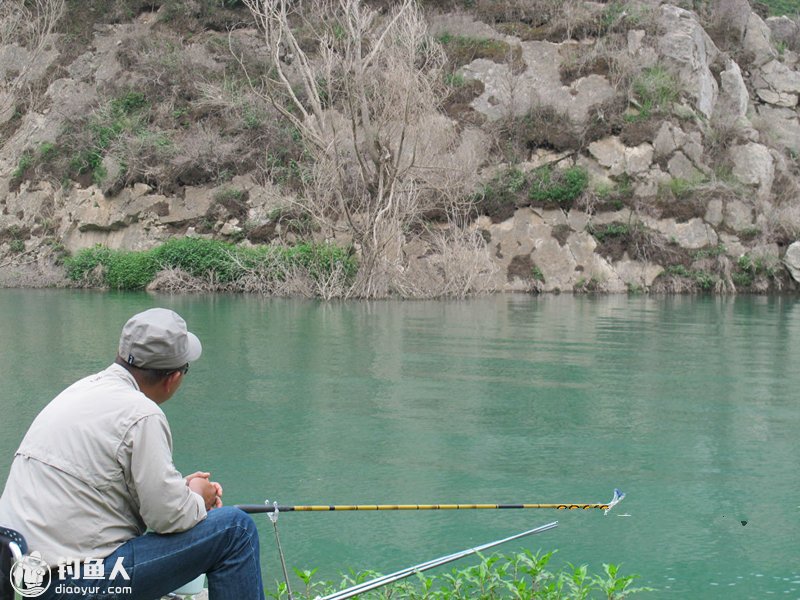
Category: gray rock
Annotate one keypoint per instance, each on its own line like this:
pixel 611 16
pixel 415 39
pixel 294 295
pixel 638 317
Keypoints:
pixel 638 159
pixel 610 153
pixel 733 96
pixel 508 94
pixel 714 214
pixel 757 40
pixel 680 167
pixel 687 47
pixel 753 165
pixel 635 39
pixel 733 245
pixel 668 139
pixel 557 264
pixel 738 215
pixel 792 260
pixel 194 204
pixel 693 149
pixel 777 98
pixel 692 234
pixel 733 16
pixel 230 228
pixel 783 29
pixel 637 274
pixel 782 125
pixel 16 61
pixel 779 77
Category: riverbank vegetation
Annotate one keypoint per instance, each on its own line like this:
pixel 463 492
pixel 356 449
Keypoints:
pixel 209 265
pixel 521 576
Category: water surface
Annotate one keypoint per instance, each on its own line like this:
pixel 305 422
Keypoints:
pixel 690 405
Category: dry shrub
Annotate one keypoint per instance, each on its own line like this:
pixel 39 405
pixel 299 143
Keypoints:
pixel 457 104
pixel 26 24
pixel 720 135
pixel 541 127
pixel 638 241
pixel 458 265
pixel 176 281
pixel 604 119
pixel 168 68
pixel 368 117
pixel 299 282
pixel 575 20
pixel 781 224
pixel 202 155
pixel 529 12
pixel 607 56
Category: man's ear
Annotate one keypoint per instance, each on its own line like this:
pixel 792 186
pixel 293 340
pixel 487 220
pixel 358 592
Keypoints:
pixel 172 381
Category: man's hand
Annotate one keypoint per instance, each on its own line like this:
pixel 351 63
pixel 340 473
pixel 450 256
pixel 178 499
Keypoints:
pixel 211 491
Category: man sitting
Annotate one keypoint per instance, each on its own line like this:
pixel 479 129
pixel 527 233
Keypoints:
pixel 95 470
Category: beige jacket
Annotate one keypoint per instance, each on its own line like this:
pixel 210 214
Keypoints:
pixel 94 470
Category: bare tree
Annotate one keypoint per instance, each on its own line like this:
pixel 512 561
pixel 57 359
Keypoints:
pixel 26 25
pixel 364 104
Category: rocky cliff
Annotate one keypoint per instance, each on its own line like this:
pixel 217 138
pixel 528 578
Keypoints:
pixel 627 146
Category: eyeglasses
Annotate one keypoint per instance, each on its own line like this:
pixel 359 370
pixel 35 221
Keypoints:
pixel 183 370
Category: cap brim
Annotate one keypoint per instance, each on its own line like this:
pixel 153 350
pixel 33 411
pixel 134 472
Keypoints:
pixel 195 347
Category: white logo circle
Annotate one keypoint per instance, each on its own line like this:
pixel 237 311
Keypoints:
pixel 30 575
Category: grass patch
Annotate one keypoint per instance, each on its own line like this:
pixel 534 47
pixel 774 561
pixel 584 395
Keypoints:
pixel 209 260
pixel 655 90
pixel 610 231
pixel 558 187
pixel 126 114
pixel 782 7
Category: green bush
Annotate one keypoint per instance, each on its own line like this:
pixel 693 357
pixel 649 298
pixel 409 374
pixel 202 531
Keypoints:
pixel 749 269
pixel 558 187
pixel 524 576
pixel 502 194
pixel 200 257
pixel 210 260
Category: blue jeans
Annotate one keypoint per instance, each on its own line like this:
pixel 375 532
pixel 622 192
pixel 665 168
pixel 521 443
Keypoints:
pixel 224 546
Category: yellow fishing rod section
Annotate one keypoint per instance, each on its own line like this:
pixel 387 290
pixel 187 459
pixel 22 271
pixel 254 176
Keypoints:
pixel 268 508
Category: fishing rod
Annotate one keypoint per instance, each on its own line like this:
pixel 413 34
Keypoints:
pixel 431 564
pixel 274 509
pixel 266 508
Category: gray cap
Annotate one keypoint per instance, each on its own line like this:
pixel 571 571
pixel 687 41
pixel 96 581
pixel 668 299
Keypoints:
pixel 158 339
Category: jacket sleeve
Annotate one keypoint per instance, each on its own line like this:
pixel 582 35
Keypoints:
pixel 166 503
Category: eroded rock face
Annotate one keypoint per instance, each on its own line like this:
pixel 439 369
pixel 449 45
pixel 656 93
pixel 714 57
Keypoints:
pixel 734 97
pixel 792 260
pixel 688 48
pixel 777 77
pixel 784 30
pixel 781 125
pixel 542 249
pixel 757 40
pixel 753 165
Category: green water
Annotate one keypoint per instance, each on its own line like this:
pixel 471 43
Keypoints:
pixel 690 405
